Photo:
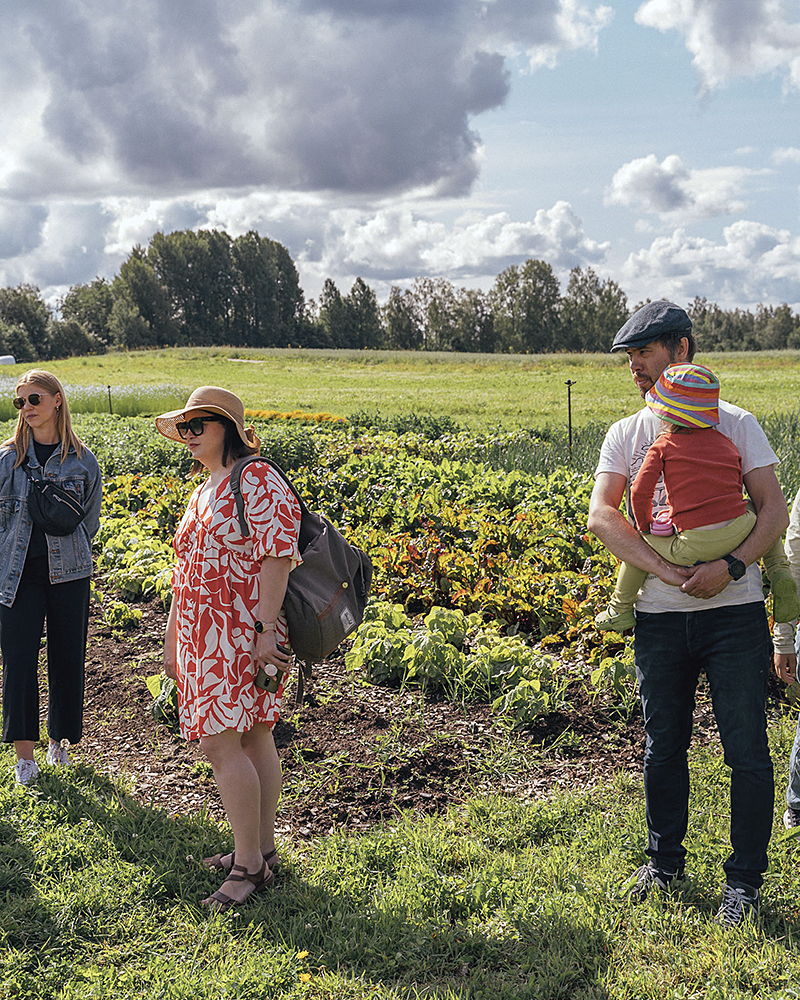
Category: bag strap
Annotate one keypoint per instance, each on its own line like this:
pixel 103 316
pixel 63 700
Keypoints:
pixel 236 488
pixel 304 670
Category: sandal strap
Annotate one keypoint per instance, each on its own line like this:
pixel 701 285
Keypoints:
pixel 256 878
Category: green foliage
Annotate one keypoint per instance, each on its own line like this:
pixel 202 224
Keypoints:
pixel 429 427
pixel 618 672
pixel 458 655
pixel 119 615
pixel 451 625
pixel 164 707
pixel 132 560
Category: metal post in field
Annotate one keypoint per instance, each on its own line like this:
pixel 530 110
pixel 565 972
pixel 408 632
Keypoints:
pixel 569 384
pixel 109 399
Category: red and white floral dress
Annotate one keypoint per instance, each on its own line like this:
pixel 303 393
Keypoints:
pixel 216 586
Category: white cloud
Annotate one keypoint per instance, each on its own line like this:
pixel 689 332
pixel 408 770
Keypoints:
pixel 672 190
pixel 732 38
pixel 542 30
pixel 393 245
pixel 383 245
pixel 786 154
pixel 753 263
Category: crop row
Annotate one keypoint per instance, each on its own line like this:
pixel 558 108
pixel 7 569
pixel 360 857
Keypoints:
pixel 506 551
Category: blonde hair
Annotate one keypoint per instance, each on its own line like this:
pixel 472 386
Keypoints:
pixel 22 435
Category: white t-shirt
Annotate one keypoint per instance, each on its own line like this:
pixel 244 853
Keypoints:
pixel 623 452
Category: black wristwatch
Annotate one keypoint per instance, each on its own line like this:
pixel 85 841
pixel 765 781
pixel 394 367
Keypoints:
pixel 736 567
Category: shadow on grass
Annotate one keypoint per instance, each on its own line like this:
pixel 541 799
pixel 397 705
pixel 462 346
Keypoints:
pixel 451 941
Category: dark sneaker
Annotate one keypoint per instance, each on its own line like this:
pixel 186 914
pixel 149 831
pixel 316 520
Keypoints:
pixel 645 879
pixel 739 903
pixel 791 818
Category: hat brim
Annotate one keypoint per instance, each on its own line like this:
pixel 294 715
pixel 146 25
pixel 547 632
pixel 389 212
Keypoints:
pixel 165 423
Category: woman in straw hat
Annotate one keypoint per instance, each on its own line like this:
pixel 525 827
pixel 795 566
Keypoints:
pixel 226 622
pixel 44 576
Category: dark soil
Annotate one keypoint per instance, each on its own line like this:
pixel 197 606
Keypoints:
pixel 353 755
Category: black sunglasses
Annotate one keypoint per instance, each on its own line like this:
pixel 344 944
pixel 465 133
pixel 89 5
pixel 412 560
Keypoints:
pixel 195 425
pixel 34 399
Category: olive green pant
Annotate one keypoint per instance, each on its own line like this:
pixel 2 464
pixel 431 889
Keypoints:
pixel 693 546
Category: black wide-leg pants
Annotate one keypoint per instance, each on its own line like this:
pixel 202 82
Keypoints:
pixel 65 606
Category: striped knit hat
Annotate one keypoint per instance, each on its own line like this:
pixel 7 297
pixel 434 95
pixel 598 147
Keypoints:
pixel 686 395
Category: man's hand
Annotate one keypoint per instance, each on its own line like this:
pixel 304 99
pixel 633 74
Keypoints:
pixel 707 580
pixel 785 667
pixel 675 576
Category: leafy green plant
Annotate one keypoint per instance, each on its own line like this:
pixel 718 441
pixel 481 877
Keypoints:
pixel 619 673
pixel 119 615
pixel 164 707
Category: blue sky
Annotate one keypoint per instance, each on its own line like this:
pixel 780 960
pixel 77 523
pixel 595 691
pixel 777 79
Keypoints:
pixel 654 142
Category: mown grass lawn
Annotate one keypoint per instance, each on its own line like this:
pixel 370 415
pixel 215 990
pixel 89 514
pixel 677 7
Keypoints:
pixel 478 390
pixel 499 898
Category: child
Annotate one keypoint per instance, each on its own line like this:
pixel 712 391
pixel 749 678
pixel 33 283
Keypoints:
pixel 707 516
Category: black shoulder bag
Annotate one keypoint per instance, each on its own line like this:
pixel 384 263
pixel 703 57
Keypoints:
pixel 55 510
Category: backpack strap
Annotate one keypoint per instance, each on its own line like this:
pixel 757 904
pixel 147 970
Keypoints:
pixel 304 670
pixel 236 488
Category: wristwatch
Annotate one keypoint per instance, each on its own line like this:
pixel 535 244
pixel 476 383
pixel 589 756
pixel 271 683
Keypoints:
pixel 263 626
pixel 736 567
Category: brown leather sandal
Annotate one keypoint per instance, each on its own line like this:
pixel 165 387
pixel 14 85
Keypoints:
pixel 220 901
pixel 271 857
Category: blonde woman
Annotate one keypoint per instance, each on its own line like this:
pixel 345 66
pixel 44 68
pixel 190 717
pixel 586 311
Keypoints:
pixel 44 577
pixel 226 622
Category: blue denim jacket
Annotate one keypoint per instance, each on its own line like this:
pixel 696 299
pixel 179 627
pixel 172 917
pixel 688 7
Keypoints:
pixel 69 556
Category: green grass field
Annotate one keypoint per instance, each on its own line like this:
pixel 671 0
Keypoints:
pixel 498 899
pixel 479 391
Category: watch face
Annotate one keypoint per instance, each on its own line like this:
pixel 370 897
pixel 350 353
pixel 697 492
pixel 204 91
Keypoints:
pixel 737 569
pixel 258 626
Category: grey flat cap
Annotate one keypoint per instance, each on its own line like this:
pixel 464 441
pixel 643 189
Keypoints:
pixel 650 323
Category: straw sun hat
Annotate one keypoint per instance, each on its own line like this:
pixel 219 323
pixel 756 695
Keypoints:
pixel 212 399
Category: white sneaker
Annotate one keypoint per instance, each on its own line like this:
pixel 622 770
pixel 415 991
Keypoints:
pixel 57 755
pixel 26 771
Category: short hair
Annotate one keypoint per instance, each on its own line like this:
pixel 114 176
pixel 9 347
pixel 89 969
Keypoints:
pixel 671 341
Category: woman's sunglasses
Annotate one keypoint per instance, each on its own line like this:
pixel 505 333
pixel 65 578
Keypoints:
pixel 195 425
pixel 34 399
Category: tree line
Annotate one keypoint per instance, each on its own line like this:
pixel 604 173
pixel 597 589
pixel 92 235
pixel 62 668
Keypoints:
pixel 205 288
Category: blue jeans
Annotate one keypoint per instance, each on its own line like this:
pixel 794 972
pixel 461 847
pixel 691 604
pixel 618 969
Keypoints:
pixel 732 645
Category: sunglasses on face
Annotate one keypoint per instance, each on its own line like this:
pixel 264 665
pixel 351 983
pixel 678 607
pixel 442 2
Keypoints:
pixel 34 399
pixel 196 425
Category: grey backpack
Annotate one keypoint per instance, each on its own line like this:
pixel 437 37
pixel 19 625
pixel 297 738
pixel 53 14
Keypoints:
pixel 327 593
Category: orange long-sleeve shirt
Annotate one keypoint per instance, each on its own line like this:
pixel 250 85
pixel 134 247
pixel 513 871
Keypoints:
pixel 702 472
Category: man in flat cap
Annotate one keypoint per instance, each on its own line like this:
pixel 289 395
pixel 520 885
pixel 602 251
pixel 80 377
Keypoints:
pixel 708 618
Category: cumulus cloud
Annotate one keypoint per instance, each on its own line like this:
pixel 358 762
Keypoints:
pixel 367 96
pixel 752 263
pixel 672 190
pixel 384 245
pixel 396 244
pixel 786 154
pixel 731 38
